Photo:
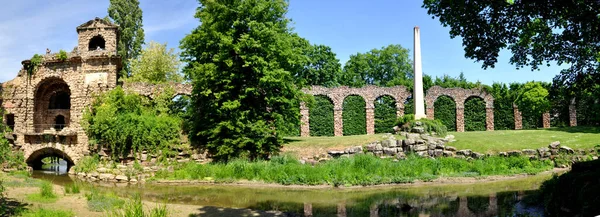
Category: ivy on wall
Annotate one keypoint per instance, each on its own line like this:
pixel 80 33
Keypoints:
pixel 474 114
pixel 321 117
pixel 385 114
pixel 354 116
pixel 445 111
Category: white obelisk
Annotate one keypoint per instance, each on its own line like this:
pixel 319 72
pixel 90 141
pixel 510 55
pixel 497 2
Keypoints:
pixel 418 73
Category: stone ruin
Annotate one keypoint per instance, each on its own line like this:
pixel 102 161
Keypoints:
pixel 44 109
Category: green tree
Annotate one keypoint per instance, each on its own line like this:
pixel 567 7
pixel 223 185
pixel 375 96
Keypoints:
pixel 321 67
pixel 532 100
pixel 388 66
pixel 156 64
pixel 536 32
pixel 240 61
pixel 128 15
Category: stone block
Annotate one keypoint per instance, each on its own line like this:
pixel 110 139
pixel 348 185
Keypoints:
pixel 476 155
pixel 438 152
pixel 554 145
pixel 466 152
pixel 413 136
pixel 388 143
pixel 121 178
pixel 422 153
pixel 334 153
pixel 354 150
pixel 502 154
pixel 566 150
pixel 529 152
pixel 409 142
pixel 374 147
pixel 390 151
pixel 450 148
pixel 448 154
pixel 106 176
pixel 440 146
pixel 514 153
pixel 419 148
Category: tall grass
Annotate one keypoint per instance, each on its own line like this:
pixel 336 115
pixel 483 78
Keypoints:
pixel 45 195
pixel 72 189
pixel 99 202
pixel 87 164
pixel 47 213
pixel 357 170
pixel 135 208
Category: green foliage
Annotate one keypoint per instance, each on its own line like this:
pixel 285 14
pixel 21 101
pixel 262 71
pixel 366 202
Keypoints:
pixel 405 119
pixel 100 202
pixel 35 62
pixel 504 118
pixel 156 64
pixel 356 170
pixel 72 189
pixel 321 117
pixel 460 82
pixel 445 112
pixel 45 195
pixel 534 97
pixel 388 66
pixel 321 67
pixel 474 114
pixel 62 55
pixel 41 212
pixel 135 208
pixel 87 164
pixel 354 116
pixel 240 61
pixel 128 15
pixel 431 126
pixel 385 114
pixel 125 122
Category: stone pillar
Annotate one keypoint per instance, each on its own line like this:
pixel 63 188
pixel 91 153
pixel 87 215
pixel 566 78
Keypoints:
pixel 460 118
pixel 489 119
pixel 430 112
pixel 308 210
pixel 572 113
pixel 399 110
pixel 341 210
pixel 370 120
pixel 418 95
pixel 518 118
pixel 338 122
pixel 304 120
pixel 546 120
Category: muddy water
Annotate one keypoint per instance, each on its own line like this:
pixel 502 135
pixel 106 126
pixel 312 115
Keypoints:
pixel 499 198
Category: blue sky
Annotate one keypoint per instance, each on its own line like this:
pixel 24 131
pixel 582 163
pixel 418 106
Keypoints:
pixel 347 26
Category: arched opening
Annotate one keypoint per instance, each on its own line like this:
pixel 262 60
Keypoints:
pixel 52 99
pixel 409 106
pixel 97 43
pixel 385 114
pixel 180 106
pixel 50 159
pixel 474 114
pixel 445 111
pixel 321 117
pixel 354 116
pixel 10 121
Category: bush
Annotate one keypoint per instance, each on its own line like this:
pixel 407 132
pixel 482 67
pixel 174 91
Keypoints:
pixel 445 111
pixel 407 123
pixel 385 114
pixel 62 55
pixel 87 164
pixel 405 119
pixel 354 116
pixel 474 114
pixel 321 117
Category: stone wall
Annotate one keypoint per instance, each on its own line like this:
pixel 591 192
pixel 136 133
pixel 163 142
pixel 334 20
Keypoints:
pixel 153 90
pixel 519 118
pixel 572 113
pixel 460 95
pixel 338 94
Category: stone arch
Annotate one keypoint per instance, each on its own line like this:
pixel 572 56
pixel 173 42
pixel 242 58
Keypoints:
pixel 352 115
pixel 322 122
pixel 97 43
pixel 385 113
pixel 52 97
pixel 449 122
pixel 460 95
pixel 474 117
pixel 34 159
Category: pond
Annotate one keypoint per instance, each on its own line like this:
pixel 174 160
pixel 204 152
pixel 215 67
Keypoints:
pixel 495 198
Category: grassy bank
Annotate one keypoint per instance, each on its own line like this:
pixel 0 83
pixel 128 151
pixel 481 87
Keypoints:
pixel 357 170
pixel 506 140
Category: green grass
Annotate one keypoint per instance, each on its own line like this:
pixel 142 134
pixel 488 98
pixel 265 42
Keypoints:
pixel 48 213
pixel 507 140
pixel 135 208
pixel 99 202
pixel 72 189
pixel 357 170
pixel 46 194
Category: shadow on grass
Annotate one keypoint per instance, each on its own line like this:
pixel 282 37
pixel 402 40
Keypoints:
pixel 211 211
pixel 10 207
pixel 289 140
pixel 578 129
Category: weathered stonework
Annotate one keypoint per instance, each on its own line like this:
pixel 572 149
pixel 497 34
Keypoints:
pixel 337 95
pixel 518 118
pixel 546 120
pixel 153 90
pixel 460 95
pixel 45 108
pixel 572 113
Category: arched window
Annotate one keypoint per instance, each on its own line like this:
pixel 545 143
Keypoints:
pixel 60 100
pixel 59 122
pixel 97 43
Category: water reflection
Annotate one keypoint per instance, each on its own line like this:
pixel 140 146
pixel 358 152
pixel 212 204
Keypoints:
pixel 503 198
pixel 55 167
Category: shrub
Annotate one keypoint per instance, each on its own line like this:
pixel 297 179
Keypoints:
pixel 321 117
pixel 354 116
pixel 62 55
pixel 405 119
pixel 474 114
pixel 445 111
pixel 385 114
pixel 87 164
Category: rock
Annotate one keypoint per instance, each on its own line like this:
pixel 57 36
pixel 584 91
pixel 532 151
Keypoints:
pixel 420 148
pixel 554 145
pixel 419 130
pixel 408 142
pixel 390 151
pixel 92 179
pixel 422 153
pixel 396 128
pixel 502 154
pixel 418 123
pixel 450 148
pixel 466 152
pixel 144 157
pixel 448 154
pixel 81 174
pixel 514 153
pixel 374 147
pixel 413 136
pixel 594 158
pixel 543 150
pixel 400 155
pixel 420 141
pixel 121 167
pixel 335 153
pixel 438 152
pixel 93 174
pixel 476 155
pixel 133 180
pixel 449 137
pixel 529 152
pixel 121 178
pixel 440 146
pixel 106 176
pixel 389 143
pixel 431 146
pixel 566 149
pixel 354 150
pixel 459 156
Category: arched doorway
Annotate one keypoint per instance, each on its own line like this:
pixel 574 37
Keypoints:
pixel 35 160
pixel 52 108
pixel 445 111
pixel 385 114
pixel 321 117
pixel 354 115
pixel 97 43
pixel 474 114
